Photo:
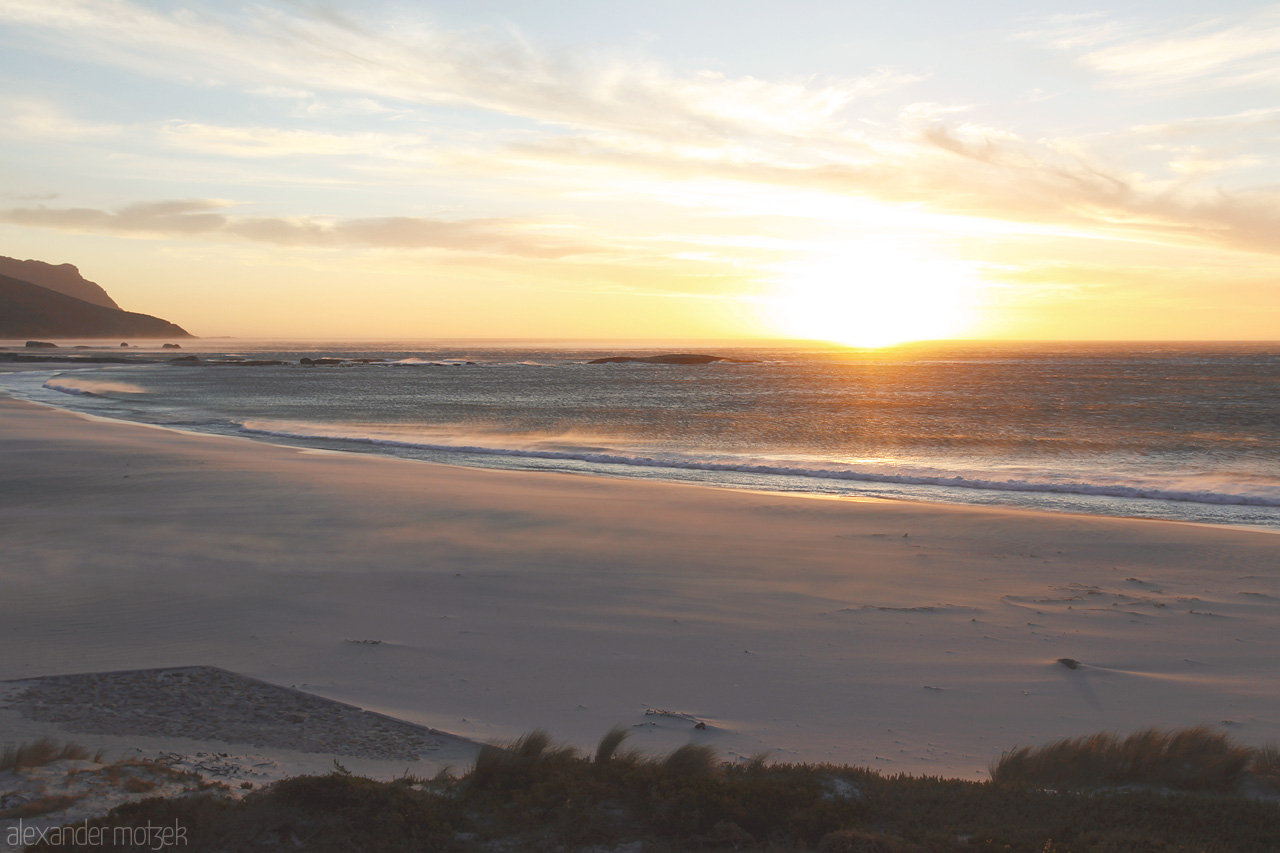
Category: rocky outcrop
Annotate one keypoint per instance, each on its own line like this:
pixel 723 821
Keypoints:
pixel 674 358
pixel 60 278
pixel 342 362
pixel 29 310
pixel 41 344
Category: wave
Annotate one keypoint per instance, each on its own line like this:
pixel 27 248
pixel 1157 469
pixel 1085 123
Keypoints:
pixel 1270 497
pixel 90 387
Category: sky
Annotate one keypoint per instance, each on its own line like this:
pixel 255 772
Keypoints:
pixel 859 172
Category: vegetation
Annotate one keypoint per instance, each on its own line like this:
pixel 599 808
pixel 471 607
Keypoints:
pixel 1197 759
pixel 610 743
pixel 41 806
pixel 533 795
pixel 42 752
pixel 1266 766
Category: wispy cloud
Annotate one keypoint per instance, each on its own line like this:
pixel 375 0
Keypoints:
pixel 1233 123
pixel 1064 184
pixel 205 217
pixel 1073 31
pixel 568 123
pixel 416 62
pixel 962 170
pixel 32 118
pixel 255 142
pixel 1215 53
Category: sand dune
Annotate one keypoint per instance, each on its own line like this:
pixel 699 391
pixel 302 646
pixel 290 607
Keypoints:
pixel 907 637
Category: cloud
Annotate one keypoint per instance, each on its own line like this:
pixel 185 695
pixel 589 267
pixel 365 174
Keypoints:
pixel 1248 54
pixel 166 217
pixel 413 61
pixel 31 118
pixel 1067 186
pixel 258 142
pixel 1214 53
pixel 203 217
pixel 1070 32
pixel 579 127
pixel 965 170
pixel 1234 123
pixel 29 196
pixel 309 105
pixel 929 111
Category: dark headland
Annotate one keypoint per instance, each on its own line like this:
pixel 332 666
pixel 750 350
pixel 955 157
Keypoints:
pixel 63 278
pixel 52 308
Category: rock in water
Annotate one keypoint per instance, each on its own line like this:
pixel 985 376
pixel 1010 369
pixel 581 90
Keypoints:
pixel 674 358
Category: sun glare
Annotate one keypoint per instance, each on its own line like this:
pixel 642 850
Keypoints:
pixel 874 296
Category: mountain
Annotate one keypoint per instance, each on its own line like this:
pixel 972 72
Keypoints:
pixel 30 311
pixel 64 278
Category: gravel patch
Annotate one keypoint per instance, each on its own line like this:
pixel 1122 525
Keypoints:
pixel 208 703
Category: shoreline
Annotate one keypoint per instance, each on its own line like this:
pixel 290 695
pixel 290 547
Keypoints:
pixel 996 498
pixel 505 601
pixel 269 439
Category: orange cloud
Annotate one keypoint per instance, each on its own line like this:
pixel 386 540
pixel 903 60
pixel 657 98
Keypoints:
pixel 196 217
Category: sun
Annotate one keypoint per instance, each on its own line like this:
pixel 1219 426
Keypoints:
pixel 873 296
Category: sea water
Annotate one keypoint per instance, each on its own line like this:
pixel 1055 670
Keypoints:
pixel 1188 432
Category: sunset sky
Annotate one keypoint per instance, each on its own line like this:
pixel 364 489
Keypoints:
pixel 856 171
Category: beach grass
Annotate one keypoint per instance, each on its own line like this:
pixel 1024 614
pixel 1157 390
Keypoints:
pixel 42 752
pixel 505 766
pixel 1266 765
pixel 532 795
pixel 692 759
pixel 609 745
pixel 1192 759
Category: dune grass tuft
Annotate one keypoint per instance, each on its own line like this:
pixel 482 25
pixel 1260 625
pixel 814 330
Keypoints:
pixel 42 752
pixel 532 745
pixel 1194 759
pixel 503 766
pixel 692 759
pixel 609 744
pixel 1266 765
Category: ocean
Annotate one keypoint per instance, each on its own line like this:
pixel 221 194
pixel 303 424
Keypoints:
pixel 1187 432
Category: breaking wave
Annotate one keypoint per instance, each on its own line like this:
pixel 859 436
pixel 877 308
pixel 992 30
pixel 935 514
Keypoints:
pixel 91 387
pixel 1262 495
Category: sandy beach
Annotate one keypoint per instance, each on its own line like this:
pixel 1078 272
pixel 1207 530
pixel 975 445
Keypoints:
pixel 907 637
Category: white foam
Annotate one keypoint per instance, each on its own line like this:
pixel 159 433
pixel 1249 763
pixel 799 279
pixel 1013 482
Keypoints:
pixel 1253 495
pixel 91 387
